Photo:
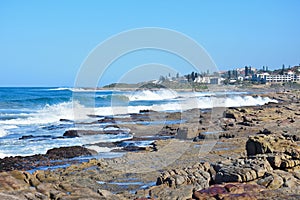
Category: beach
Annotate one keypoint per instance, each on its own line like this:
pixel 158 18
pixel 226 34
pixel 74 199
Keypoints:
pixel 248 149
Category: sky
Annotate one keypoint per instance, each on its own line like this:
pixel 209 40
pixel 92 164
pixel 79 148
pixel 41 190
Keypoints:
pixel 44 43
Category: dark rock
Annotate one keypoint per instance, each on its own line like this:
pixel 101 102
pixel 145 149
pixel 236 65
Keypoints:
pixel 245 123
pixel 131 148
pixel 66 120
pixel 25 137
pixel 68 152
pixel 226 135
pixel 71 133
pixel 107 120
pixel 146 111
pixel 229 115
pixel 207 136
pixel 265 132
pixel 295 138
pixel 37 137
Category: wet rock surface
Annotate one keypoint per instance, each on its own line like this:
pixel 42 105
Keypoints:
pixel 53 157
pixel 252 154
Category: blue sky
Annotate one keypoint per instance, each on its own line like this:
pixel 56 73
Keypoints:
pixel 43 43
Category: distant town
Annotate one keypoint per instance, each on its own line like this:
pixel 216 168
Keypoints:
pixel 246 76
pixel 238 76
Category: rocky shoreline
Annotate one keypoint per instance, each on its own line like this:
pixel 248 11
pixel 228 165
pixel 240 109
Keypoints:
pixel 232 153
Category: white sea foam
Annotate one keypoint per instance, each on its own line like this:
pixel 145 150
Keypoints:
pixel 61 88
pixel 3 132
pixel 4 129
pixel 76 111
pixel 49 114
pixel 238 101
pixel 152 95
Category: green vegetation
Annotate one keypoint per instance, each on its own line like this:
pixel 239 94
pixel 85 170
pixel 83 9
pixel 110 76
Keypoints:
pixel 165 84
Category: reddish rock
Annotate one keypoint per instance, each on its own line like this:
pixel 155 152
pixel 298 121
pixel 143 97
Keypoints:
pixel 229 191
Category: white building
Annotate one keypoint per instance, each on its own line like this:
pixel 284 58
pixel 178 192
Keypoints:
pixel 200 79
pixel 208 80
pixel 266 77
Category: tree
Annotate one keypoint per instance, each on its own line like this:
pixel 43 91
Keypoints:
pixel 162 78
pixel 282 70
pixel 188 77
pixel 193 76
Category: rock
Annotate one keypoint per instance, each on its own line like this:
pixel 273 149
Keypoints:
pixel 247 119
pixel 195 175
pixel 271 181
pixel 262 144
pixel 5 196
pixel 179 180
pixel 10 183
pixel 171 130
pixel 187 133
pixel 245 171
pixel 68 152
pixel 265 132
pixel 105 193
pixel 206 136
pixel 229 192
pixel 25 137
pixel 283 161
pixel 71 133
pixel 294 137
pixel 166 193
pixel 30 179
pixel 229 115
pixel 226 135
pixel 245 123
pixel 281 152
pixel 132 148
pixel 65 120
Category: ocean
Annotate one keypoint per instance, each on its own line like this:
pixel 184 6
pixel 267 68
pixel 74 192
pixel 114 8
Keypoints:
pixel 33 120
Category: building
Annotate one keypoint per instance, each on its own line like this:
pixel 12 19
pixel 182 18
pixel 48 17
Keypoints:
pixel 267 78
pixel 216 80
pixel 209 80
pixel 202 79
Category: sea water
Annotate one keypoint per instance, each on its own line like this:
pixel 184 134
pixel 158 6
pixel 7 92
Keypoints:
pixel 45 114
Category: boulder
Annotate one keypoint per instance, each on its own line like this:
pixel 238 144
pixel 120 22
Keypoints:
pixel 10 183
pixel 271 181
pixel 265 131
pixel 68 152
pixel 196 175
pixel 241 170
pixel 281 152
pixel 261 144
pixel 71 133
pixel 229 191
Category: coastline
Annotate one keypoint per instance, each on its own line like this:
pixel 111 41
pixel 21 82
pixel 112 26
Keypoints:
pixel 140 174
